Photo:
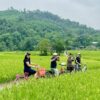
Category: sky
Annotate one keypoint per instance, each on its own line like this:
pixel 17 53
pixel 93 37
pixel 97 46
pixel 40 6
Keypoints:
pixel 83 11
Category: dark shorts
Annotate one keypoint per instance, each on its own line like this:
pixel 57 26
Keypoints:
pixel 30 72
pixel 70 69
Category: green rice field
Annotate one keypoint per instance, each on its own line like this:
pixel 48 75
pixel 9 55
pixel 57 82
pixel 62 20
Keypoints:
pixel 75 86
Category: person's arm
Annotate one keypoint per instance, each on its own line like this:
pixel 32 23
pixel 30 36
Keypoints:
pixel 78 62
pixel 30 65
pixel 55 58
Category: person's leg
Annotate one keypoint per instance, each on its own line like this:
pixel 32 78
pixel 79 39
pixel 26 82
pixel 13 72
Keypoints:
pixel 52 71
pixel 71 69
pixel 36 75
pixel 79 67
pixel 26 75
pixel 19 77
pixel 76 67
pixel 68 69
pixel 31 72
pixel 56 72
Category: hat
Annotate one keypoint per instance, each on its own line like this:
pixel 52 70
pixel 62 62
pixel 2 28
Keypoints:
pixel 55 54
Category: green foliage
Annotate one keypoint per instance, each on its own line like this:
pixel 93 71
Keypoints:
pixel 12 62
pixel 58 46
pixel 23 30
pixel 44 46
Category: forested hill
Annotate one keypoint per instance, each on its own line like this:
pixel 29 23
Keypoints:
pixel 24 30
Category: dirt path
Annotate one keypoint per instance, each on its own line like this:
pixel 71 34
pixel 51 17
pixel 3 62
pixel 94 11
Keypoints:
pixel 6 85
pixel 9 84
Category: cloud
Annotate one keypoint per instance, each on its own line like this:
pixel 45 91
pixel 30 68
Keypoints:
pixel 83 11
pixel 89 3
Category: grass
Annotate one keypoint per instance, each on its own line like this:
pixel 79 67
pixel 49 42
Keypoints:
pixel 75 86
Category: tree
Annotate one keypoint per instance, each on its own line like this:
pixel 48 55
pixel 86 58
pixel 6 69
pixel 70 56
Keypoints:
pixel 28 44
pixel 23 30
pixel 83 40
pixel 44 46
pixel 58 46
pixel 2 46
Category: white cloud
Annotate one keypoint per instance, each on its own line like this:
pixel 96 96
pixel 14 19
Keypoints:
pixel 83 11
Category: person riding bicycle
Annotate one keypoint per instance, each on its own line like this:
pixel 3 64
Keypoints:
pixel 78 61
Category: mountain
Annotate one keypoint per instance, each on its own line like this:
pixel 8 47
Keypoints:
pixel 23 30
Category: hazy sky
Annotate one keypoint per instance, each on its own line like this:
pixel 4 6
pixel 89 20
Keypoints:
pixel 84 11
